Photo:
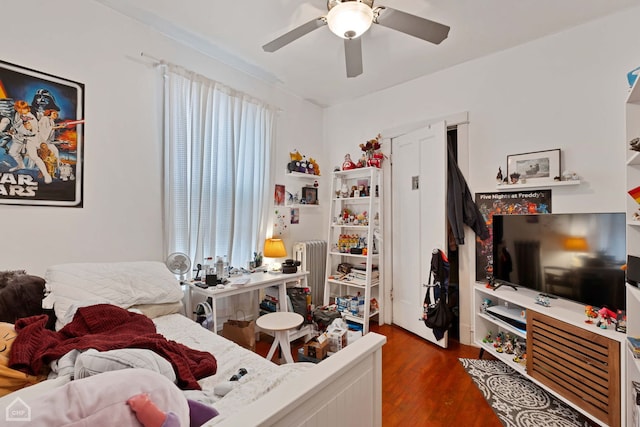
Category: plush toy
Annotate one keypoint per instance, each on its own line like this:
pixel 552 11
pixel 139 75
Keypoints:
pixel 294 164
pixel 314 164
pixel 10 379
pixel 148 413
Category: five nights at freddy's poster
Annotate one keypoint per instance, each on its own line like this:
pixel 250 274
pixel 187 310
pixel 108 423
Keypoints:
pixel 41 138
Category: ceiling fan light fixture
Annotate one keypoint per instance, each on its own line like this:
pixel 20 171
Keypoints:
pixel 350 19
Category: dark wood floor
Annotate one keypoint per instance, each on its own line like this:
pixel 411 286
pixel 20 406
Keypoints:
pixel 423 384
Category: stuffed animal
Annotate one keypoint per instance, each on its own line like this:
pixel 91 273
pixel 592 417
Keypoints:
pixel 11 379
pixel 20 295
pixel 314 165
pixel 294 164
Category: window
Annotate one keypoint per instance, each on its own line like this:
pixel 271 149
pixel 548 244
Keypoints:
pixel 218 151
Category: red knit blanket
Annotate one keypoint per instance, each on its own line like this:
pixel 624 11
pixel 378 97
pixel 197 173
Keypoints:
pixel 104 327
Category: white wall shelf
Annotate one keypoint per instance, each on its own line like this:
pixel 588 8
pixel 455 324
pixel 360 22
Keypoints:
pixel 634 159
pixel 308 176
pixel 532 185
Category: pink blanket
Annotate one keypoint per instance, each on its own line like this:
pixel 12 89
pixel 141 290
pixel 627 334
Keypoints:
pixel 104 327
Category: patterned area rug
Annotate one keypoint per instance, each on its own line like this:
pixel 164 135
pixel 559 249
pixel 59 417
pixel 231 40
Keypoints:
pixel 519 402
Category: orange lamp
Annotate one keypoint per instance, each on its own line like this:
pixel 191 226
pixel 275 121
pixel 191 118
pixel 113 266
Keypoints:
pixel 274 248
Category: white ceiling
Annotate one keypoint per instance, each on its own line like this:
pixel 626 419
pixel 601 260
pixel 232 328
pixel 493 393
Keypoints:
pixel 313 67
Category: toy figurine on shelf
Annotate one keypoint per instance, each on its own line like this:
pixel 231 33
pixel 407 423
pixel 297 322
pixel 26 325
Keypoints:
pixel 498 342
pixel 499 176
pixel 606 318
pixel 621 322
pixel 508 347
pixel 543 300
pixel 520 352
pixel 590 313
pixel 487 338
pixel 348 163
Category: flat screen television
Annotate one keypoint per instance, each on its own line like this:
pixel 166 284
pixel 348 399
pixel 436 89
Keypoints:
pixel 577 256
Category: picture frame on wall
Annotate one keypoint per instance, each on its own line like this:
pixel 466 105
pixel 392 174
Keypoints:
pixel 278 195
pixel 536 166
pixel 42 138
pixel 310 195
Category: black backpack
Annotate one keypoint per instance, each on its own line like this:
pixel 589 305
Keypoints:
pixel 437 314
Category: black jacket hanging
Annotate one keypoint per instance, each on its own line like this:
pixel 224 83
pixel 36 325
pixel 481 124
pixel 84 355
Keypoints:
pixel 461 209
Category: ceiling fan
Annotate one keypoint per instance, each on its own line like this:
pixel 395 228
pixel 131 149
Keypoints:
pixel 350 19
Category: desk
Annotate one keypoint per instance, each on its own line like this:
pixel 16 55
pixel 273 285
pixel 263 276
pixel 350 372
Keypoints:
pixel 255 282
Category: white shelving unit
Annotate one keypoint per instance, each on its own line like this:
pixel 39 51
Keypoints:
pixel 632 110
pixel 365 203
pixel 486 323
pixel 533 185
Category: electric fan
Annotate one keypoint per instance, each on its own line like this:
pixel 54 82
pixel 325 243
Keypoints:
pixel 179 264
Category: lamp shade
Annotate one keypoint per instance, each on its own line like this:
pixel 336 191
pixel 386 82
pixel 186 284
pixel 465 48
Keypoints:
pixel 576 244
pixel 350 19
pixel 274 248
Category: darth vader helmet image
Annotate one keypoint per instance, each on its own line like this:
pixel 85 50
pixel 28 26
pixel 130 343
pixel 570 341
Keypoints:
pixel 43 100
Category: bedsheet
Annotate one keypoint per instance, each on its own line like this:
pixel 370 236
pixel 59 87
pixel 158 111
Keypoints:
pixel 262 375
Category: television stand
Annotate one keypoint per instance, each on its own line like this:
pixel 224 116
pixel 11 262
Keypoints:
pixel 496 285
pixel 578 362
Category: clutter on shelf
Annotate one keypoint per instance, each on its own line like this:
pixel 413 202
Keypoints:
pixel 299 163
pixel 372 155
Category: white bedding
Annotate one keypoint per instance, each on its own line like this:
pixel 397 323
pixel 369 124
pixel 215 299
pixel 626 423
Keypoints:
pixel 124 284
pixel 262 375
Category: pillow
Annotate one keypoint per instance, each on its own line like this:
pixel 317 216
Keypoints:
pixel 93 362
pixel 156 310
pixel 119 283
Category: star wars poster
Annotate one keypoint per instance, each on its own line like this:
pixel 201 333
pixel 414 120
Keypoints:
pixel 505 203
pixel 41 138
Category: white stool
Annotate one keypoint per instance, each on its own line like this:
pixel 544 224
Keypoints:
pixel 280 322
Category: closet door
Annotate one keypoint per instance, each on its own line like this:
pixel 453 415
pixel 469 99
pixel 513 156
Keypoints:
pixel 419 220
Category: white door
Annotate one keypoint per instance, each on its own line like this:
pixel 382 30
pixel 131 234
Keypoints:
pixel 419 220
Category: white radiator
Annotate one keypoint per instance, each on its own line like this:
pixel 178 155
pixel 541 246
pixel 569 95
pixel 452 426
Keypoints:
pixel 312 255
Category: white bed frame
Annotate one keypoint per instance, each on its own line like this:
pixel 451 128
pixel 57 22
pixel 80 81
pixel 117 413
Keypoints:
pixel 343 390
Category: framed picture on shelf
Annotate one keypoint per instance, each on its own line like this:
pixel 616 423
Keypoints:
pixel 310 195
pixel 537 166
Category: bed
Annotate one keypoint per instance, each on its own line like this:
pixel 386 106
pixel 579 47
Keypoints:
pixel 342 390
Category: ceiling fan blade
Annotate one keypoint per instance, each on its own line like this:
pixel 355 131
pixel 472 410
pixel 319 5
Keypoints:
pixel 294 34
pixel 413 25
pixel 353 56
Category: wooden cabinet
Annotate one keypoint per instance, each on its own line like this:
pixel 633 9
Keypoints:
pixel 355 230
pixel 576 363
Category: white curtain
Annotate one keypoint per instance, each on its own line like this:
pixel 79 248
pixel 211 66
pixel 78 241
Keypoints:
pixel 218 153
